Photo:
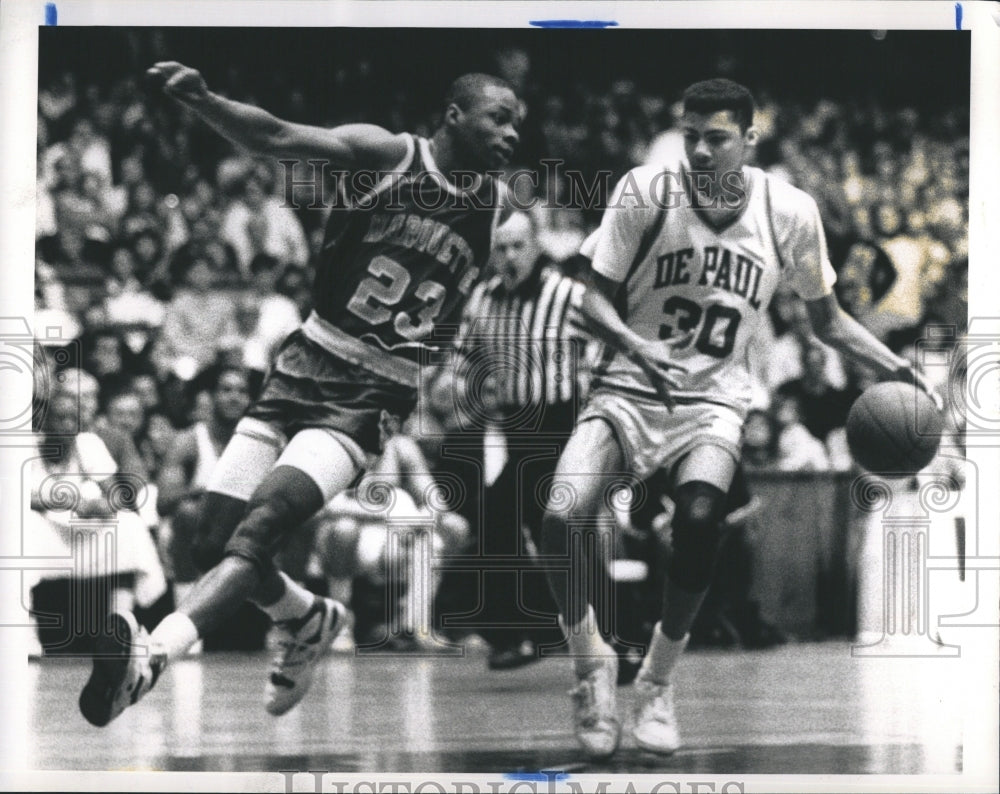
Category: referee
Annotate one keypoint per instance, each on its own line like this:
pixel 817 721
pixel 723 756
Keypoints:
pixel 524 372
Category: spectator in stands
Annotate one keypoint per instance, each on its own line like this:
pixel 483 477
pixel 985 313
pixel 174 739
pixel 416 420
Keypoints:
pixel 125 411
pixel 68 253
pixel 354 534
pixel 84 387
pixel 760 441
pixel 82 223
pixel 147 387
pixel 159 434
pixel 57 99
pixel 51 309
pixel 77 478
pixel 107 358
pixel 196 319
pixel 823 408
pixel 142 215
pixel 787 352
pixel 45 208
pixel 917 261
pixel 949 303
pixel 865 277
pixel 204 242
pixel 104 215
pixel 257 222
pixel 127 301
pixel 277 315
pixel 92 149
pixel 797 448
pixel 147 250
pixel 295 284
pixel 186 470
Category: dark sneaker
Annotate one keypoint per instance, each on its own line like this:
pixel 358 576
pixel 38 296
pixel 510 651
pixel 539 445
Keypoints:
pixel 123 670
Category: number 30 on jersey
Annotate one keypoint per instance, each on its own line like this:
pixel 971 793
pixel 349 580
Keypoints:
pixel 717 335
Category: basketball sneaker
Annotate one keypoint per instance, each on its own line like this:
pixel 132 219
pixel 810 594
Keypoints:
pixel 300 644
pixel 123 670
pixel 655 721
pixel 595 711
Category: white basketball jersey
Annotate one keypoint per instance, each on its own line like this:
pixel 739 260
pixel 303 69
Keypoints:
pixel 683 276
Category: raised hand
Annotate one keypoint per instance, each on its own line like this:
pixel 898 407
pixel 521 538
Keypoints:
pixel 179 81
pixel 910 374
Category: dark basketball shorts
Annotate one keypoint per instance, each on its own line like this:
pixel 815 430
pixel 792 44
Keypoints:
pixel 309 387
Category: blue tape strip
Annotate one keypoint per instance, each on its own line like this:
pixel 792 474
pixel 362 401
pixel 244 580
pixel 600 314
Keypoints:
pixel 573 23
pixel 542 776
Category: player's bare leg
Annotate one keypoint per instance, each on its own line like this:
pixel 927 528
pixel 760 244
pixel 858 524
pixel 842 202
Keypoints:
pixel 703 479
pixel 286 498
pixel 125 667
pixel 591 457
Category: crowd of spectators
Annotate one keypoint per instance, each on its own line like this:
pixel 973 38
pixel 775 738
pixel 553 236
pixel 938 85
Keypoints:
pixel 162 251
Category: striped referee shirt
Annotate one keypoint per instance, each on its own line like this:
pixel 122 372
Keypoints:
pixel 531 339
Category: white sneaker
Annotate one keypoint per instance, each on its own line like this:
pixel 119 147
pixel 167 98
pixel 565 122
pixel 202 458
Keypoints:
pixel 300 645
pixel 595 711
pixel 655 720
pixel 123 670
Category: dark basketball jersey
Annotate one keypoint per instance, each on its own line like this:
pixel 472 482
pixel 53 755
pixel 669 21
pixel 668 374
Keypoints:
pixel 390 274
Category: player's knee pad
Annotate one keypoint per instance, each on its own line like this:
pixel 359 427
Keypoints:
pixel 696 532
pixel 267 521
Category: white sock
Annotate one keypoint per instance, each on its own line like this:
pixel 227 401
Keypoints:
pixel 294 603
pixel 662 656
pixel 174 636
pixel 586 644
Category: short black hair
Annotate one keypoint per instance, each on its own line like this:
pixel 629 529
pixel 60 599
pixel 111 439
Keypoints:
pixel 711 96
pixel 467 88
pixel 264 261
pixel 209 378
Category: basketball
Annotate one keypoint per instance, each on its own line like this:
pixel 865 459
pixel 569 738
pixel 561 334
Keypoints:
pixel 894 428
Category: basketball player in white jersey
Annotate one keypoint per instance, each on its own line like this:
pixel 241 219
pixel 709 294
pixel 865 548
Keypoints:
pixel 186 470
pixel 689 255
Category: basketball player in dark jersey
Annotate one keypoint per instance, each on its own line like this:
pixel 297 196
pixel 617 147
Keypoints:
pixel 393 268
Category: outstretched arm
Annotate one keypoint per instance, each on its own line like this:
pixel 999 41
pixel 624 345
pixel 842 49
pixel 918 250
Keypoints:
pixel 839 330
pixel 349 146
pixel 812 276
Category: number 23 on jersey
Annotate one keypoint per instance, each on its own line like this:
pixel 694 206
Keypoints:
pixel 381 291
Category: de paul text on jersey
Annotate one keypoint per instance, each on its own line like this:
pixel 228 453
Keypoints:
pixel 719 268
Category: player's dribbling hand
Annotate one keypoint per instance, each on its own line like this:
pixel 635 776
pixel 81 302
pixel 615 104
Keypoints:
pixel 910 374
pixel 653 357
pixel 179 81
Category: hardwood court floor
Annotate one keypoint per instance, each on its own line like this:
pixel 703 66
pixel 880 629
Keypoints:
pixel 800 709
